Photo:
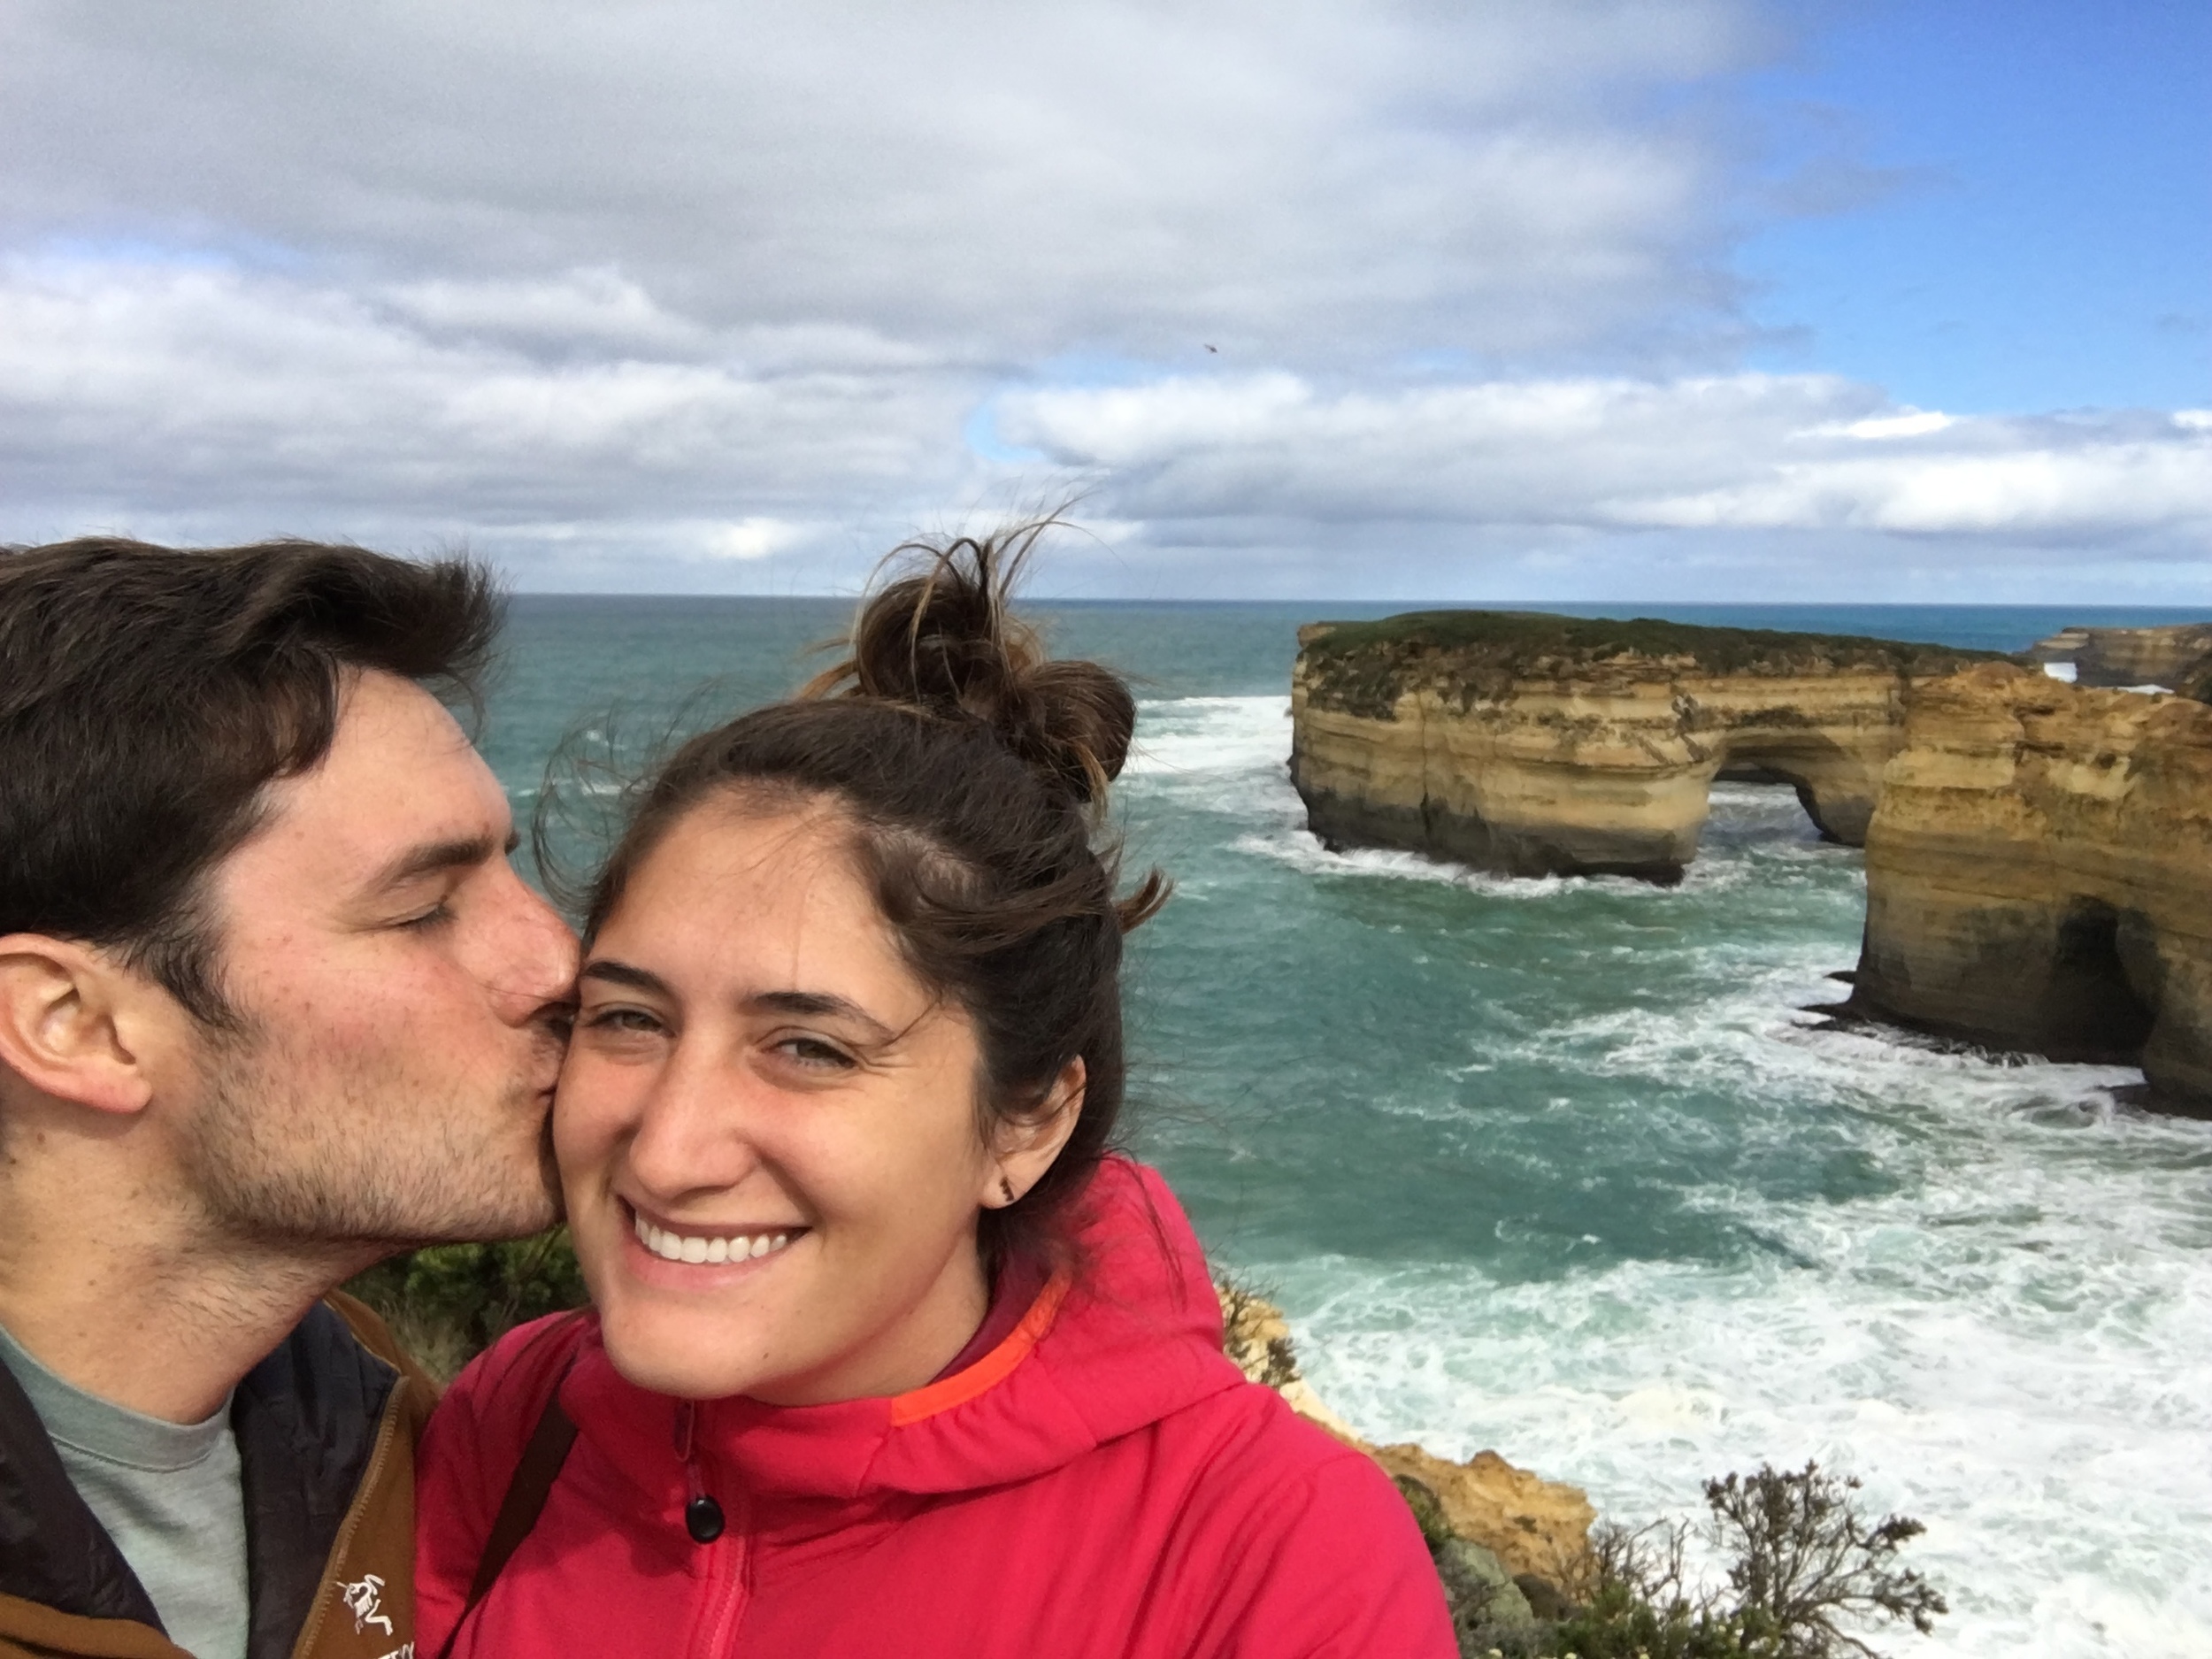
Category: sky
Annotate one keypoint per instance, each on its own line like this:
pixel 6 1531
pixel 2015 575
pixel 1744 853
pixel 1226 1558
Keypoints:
pixel 1595 300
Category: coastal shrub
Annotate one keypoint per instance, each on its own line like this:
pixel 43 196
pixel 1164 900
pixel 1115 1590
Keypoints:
pixel 1641 1603
pixel 1802 1556
pixel 1428 1511
pixel 1253 1333
pixel 1804 1569
pixel 446 1303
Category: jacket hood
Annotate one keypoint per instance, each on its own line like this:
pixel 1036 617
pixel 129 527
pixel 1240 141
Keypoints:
pixel 1131 1335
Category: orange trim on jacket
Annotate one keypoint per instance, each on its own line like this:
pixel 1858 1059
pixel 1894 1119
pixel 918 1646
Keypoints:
pixel 993 1368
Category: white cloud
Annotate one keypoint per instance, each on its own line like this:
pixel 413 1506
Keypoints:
pixel 594 309
pixel 203 402
pixel 1799 452
pixel 1911 423
pixel 673 293
pixel 1312 182
pixel 122 388
pixel 757 538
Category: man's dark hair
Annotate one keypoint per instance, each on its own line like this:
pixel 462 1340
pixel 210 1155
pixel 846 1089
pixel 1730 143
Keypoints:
pixel 147 696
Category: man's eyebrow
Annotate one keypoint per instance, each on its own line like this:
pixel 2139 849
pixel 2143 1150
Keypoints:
pixel 462 852
pixel 608 971
pixel 815 1004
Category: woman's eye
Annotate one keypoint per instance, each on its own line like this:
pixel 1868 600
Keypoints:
pixel 621 1019
pixel 812 1051
pixel 436 916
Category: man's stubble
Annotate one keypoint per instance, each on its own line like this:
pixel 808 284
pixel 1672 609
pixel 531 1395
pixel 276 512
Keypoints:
pixel 282 1152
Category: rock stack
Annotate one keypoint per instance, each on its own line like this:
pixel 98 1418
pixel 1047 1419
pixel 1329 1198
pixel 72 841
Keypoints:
pixel 2175 657
pixel 2039 877
pixel 1534 745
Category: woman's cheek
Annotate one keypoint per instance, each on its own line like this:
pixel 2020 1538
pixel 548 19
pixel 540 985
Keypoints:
pixel 588 1116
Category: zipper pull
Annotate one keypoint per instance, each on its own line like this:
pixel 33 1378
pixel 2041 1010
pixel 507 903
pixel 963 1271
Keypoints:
pixel 703 1516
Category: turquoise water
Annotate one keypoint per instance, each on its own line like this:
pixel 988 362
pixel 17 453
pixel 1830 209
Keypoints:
pixel 1560 1167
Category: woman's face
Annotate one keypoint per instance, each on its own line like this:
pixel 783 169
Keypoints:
pixel 767 1126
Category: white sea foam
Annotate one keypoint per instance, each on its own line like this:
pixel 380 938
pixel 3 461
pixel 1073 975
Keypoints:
pixel 2006 1331
pixel 1187 737
pixel 2013 1343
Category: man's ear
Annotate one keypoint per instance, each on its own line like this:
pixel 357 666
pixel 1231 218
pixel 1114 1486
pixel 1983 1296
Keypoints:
pixel 72 1022
pixel 1027 1146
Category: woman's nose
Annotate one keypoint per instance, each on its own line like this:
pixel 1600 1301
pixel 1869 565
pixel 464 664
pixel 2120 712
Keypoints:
pixel 693 1132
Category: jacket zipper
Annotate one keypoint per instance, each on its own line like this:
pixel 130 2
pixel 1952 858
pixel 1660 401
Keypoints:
pixel 723 1599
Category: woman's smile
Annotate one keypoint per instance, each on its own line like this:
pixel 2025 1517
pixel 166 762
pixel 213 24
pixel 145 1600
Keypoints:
pixel 694 1244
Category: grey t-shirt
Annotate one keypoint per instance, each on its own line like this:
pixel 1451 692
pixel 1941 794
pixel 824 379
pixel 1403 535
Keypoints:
pixel 168 1494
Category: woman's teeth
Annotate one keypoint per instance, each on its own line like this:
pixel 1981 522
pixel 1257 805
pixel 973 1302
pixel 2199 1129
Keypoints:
pixel 696 1248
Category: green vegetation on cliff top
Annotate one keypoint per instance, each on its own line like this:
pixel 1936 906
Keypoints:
pixel 1362 667
pixel 1530 637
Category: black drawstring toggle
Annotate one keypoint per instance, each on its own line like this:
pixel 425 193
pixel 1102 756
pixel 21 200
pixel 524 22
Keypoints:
pixel 702 1520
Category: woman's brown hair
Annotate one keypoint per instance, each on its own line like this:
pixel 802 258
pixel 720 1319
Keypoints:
pixel 972 771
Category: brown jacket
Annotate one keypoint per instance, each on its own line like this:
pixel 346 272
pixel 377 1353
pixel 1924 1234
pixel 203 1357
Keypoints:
pixel 327 1428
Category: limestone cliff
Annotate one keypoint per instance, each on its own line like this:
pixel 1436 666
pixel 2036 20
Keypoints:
pixel 2040 876
pixel 2131 657
pixel 1537 745
pixel 1531 1525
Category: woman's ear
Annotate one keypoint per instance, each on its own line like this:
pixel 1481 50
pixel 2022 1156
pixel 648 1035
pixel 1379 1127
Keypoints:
pixel 71 1023
pixel 1027 1146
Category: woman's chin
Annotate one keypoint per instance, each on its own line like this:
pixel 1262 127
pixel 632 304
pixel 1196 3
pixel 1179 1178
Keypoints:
pixel 678 1357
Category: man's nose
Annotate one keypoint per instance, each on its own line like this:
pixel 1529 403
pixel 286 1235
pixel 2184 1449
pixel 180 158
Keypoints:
pixel 540 955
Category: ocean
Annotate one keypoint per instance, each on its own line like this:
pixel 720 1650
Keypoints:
pixel 1563 1169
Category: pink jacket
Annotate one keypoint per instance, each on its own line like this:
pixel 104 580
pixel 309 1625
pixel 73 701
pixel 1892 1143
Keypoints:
pixel 1102 1483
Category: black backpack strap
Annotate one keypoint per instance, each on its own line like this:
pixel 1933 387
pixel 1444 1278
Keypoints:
pixel 535 1472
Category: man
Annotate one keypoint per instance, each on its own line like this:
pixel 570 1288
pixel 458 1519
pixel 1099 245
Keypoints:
pixel 273 1005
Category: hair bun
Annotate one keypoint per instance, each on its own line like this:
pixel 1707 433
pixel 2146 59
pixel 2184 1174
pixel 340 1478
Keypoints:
pixel 944 640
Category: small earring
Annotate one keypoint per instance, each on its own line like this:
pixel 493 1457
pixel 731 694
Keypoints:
pixel 1006 1187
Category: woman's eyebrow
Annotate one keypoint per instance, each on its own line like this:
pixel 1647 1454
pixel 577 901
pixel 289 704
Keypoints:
pixel 612 972
pixel 815 1004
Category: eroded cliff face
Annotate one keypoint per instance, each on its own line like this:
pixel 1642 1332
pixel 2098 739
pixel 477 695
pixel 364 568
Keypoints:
pixel 2040 876
pixel 1534 745
pixel 2131 656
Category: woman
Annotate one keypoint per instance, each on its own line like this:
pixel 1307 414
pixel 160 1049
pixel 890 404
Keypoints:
pixel 888 1354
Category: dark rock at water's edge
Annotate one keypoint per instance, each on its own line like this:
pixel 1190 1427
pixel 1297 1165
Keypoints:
pixel 1530 744
pixel 2150 1097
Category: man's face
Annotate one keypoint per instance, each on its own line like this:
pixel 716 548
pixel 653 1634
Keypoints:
pixel 393 977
